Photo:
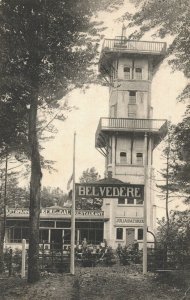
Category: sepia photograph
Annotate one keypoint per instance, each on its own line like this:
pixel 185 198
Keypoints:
pixel 94 150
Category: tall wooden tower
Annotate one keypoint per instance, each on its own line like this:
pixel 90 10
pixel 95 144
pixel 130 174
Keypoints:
pixel 129 135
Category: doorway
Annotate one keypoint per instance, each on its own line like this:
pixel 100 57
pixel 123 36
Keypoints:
pixel 130 236
pixel 56 239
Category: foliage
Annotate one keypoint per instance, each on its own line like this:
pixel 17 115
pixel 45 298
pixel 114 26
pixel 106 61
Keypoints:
pixel 177 153
pixel 89 175
pixel 12 261
pixel 178 236
pixel 182 146
pixel 130 254
pixel 169 186
pixel 52 196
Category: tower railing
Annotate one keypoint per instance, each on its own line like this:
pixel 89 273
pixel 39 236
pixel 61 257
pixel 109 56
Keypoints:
pixel 131 124
pixel 121 43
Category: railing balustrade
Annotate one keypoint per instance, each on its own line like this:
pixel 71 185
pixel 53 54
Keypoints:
pixel 124 123
pixel 130 45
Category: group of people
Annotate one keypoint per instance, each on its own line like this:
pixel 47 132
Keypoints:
pixel 129 253
pixel 85 248
pixel 103 250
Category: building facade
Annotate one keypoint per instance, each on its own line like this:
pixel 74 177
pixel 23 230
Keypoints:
pixel 55 227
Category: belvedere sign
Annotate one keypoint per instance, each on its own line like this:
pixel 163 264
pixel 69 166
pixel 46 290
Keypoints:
pixel 94 190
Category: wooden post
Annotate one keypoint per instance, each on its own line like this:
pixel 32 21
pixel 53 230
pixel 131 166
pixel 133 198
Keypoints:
pixel 145 208
pixel 10 262
pixel 23 258
pixel 78 236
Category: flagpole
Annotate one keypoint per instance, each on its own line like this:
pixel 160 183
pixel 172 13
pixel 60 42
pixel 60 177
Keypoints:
pixel 145 208
pixel 72 257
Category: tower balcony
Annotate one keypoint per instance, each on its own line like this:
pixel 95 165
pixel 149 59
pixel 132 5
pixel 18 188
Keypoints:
pixel 120 45
pixel 155 127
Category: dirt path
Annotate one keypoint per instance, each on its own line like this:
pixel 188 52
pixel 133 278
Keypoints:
pixel 99 283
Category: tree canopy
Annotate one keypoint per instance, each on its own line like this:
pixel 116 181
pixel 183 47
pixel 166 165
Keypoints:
pixel 89 175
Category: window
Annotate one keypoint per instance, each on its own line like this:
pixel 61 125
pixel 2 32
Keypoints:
pixel 138 73
pixel 43 235
pixel 132 110
pixel 121 200
pixel 17 234
pixel 140 234
pixel 127 72
pixel 130 201
pixel 139 158
pixel 123 157
pixel 119 233
pixel 47 224
pixel 132 97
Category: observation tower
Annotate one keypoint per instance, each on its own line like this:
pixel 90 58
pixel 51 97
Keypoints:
pixel 128 136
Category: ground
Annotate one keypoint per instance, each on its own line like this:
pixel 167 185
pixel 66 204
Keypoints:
pixel 105 283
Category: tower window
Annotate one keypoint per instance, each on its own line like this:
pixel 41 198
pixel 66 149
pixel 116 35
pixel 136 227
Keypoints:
pixel 132 110
pixel 127 72
pixel 138 73
pixel 140 234
pixel 119 233
pixel 123 157
pixel 139 158
pixel 132 97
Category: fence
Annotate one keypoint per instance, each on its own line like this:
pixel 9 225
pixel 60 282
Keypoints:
pixel 54 257
pixel 168 259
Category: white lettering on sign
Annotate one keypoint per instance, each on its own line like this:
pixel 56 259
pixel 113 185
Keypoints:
pixel 109 191
pixel 137 192
pixel 115 192
pixel 124 220
pixel 81 190
pixel 59 211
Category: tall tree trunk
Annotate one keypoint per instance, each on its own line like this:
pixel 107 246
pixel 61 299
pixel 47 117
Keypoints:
pixel 1 243
pixel 3 218
pixel 35 186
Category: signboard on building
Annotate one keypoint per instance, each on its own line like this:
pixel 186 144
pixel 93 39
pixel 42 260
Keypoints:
pixel 56 212
pixel 129 221
pixel 95 190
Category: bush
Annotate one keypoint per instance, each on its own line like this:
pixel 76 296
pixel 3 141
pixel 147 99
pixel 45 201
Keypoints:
pixel 12 261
